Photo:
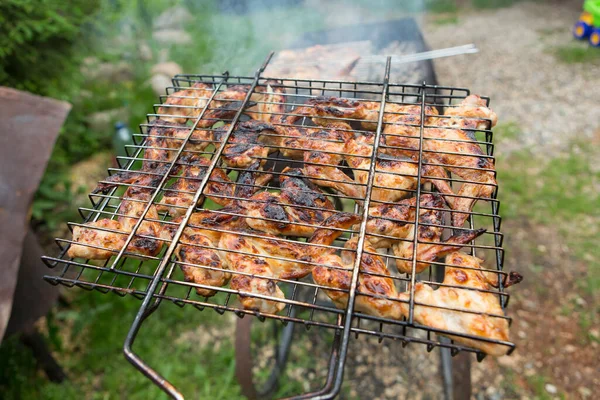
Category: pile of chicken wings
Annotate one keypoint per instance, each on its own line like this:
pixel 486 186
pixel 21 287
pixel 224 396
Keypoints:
pixel 269 226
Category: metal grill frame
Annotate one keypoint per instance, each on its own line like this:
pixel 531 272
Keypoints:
pixel 348 321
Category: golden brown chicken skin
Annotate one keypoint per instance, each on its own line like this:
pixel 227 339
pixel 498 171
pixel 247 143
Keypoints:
pixel 160 148
pixel 451 145
pixel 395 177
pixel 219 188
pixel 100 244
pixel 270 99
pixel 391 224
pixel 188 104
pixel 471 163
pixel 474 311
pixel 376 294
pixel 257 257
pixel 198 253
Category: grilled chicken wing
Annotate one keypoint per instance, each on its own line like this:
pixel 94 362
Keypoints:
pixel 187 104
pixel 376 295
pixel 270 102
pixel 365 112
pixel 248 142
pixel 296 211
pixel 393 224
pixel 322 160
pixel 163 140
pixel 450 145
pixel 219 188
pixel 395 178
pixel 463 288
pixel 430 232
pixel 474 165
pixel 266 103
pixel 198 254
pixel 259 254
pixel 99 244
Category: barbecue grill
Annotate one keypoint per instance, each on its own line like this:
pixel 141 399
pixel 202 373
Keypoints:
pixel 155 279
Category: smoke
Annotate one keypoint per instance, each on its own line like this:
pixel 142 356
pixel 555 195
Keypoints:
pixel 243 32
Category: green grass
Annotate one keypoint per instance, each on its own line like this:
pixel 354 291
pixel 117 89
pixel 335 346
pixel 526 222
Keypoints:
pixel 538 383
pixel 577 53
pixel 492 4
pixel 93 359
pixel 558 192
pixel 506 131
pixel 441 6
pixel 561 193
pixel 450 19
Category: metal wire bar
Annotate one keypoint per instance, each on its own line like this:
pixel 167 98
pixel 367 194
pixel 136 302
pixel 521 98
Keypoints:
pixel 127 348
pixel 361 241
pixel 417 212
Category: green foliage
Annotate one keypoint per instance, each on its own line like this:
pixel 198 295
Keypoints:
pixel 37 42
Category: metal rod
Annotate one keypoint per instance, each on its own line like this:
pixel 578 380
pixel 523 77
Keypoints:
pixel 361 239
pixel 127 348
pixel 417 212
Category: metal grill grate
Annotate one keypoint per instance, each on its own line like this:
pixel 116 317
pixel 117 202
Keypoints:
pixel 158 275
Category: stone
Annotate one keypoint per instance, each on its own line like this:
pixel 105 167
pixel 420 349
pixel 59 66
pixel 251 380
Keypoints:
pixel 159 83
pixel 172 18
pixel 172 36
pixel 550 388
pixel 166 68
pixel 103 121
pixel 145 52
pixel 111 72
pixel 584 392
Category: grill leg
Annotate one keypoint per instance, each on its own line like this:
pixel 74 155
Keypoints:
pixel 461 376
pixel 42 354
pixel 446 368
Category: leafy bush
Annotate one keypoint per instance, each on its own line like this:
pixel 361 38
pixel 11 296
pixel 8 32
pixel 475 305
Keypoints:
pixel 37 41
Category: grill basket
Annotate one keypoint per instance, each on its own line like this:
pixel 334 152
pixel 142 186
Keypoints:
pixel 156 278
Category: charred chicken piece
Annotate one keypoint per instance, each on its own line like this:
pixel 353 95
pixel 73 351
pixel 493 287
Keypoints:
pixel 202 259
pixel 429 246
pixel 322 160
pixel 99 244
pixel 259 254
pixel 296 211
pixel 466 283
pixel 160 147
pixel 291 136
pixel 376 295
pixel 391 224
pixel 248 142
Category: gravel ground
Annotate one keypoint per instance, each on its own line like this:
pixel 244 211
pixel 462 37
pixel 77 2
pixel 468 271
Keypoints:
pixel 551 101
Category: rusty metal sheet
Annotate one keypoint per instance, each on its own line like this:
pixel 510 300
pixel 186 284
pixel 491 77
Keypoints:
pixel 29 125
